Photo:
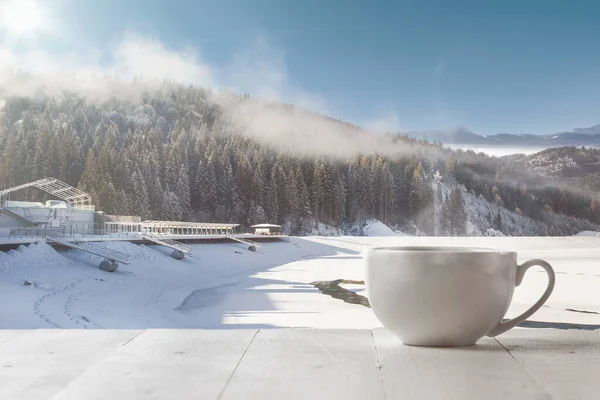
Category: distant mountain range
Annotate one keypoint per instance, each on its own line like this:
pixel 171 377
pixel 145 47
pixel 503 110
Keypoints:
pixel 460 136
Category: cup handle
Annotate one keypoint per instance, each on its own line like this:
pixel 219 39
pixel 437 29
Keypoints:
pixel 521 269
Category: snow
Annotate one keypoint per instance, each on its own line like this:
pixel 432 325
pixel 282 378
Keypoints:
pixel 371 227
pixel 375 227
pixel 493 232
pixel 227 286
pixel 221 285
pixel 588 233
pixel 551 165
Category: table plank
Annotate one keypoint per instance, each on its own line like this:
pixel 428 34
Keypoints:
pixel 485 371
pixel 565 362
pixel 294 363
pixel 39 363
pixel 308 364
pixel 165 364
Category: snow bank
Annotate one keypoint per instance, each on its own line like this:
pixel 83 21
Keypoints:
pixel 374 227
pixel 36 254
pixel 371 227
pixel 588 233
pixel 493 232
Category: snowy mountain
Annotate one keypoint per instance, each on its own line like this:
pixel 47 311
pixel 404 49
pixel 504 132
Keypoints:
pixel 461 136
pixel 594 130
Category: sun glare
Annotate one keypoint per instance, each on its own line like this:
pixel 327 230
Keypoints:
pixel 20 16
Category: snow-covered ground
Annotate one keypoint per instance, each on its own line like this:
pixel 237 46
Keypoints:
pixel 588 233
pixel 377 228
pixel 226 286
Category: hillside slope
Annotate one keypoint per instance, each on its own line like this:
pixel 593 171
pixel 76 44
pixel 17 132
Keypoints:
pixel 185 153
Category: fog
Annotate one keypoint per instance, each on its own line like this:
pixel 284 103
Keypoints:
pixel 139 63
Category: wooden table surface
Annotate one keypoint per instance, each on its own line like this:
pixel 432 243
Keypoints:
pixel 525 363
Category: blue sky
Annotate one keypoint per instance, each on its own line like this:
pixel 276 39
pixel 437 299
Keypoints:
pixel 491 66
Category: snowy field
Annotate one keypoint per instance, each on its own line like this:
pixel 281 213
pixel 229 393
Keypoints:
pixel 226 286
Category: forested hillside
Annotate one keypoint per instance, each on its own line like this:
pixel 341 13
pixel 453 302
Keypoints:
pixel 576 167
pixel 567 161
pixel 184 153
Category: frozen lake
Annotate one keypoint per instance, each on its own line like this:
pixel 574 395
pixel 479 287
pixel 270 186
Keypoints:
pixel 499 151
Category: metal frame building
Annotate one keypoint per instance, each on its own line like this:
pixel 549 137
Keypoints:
pixel 75 197
pixel 187 228
pixel 73 212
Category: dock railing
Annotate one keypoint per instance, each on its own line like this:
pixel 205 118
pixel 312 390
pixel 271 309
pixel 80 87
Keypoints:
pixel 44 232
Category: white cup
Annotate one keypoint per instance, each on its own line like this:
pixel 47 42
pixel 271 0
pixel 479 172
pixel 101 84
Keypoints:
pixel 446 296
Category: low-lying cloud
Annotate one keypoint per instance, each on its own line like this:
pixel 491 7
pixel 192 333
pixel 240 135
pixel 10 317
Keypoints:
pixel 260 71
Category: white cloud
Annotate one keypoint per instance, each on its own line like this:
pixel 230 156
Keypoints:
pixel 148 58
pixel 385 122
pixel 134 56
pixel 259 70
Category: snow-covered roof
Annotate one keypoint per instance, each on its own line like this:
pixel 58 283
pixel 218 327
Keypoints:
pixel 181 224
pixel 266 226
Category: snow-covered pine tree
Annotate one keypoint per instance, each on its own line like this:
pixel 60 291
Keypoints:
pixel 140 201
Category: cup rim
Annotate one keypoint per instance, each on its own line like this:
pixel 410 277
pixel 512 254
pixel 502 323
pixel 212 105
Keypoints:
pixel 439 249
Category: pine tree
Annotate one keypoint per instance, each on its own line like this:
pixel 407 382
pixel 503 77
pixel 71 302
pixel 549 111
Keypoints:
pixel 258 186
pixel 291 190
pixel 69 157
pixel 256 215
pixel 206 187
pixel 426 219
pixel 41 163
pixel 439 201
pixel 351 200
pixel 91 177
pixel 498 222
pixel 304 206
pixel 422 201
pixel 182 190
pixel 317 191
pixel 140 200
pixel 459 215
pixel 171 209
pixel 446 218
pixel 272 200
pixel 415 205
pixel 155 188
